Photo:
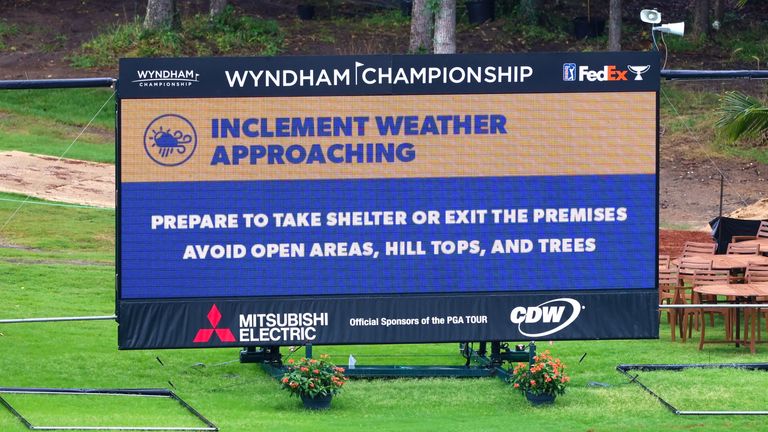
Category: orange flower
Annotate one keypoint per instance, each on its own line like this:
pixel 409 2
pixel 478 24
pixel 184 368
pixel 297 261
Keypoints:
pixel 285 380
pixel 517 385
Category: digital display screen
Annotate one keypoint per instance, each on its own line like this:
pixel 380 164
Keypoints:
pixel 234 184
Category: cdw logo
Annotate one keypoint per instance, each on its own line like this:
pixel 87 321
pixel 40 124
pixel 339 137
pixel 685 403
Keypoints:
pixel 547 318
pixel 607 73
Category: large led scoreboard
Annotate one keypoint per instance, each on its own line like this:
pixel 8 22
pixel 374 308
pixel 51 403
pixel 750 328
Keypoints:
pixel 387 199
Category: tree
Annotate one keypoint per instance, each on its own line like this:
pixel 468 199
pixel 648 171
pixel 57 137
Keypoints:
pixel 719 12
pixel 422 18
pixel 445 27
pixel 614 25
pixel 700 18
pixel 216 7
pixel 161 14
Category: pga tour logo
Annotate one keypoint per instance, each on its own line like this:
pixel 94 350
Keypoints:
pixel 569 72
pixel 547 318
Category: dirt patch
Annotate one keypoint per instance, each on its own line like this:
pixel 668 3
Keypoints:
pixel 756 211
pixel 63 180
pixel 671 241
pixel 690 183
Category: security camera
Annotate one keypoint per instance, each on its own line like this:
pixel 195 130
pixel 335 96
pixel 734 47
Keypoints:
pixel 650 16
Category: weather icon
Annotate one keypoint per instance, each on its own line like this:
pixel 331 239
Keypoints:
pixel 170 140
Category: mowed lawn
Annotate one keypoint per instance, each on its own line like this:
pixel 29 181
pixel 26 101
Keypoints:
pixel 59 261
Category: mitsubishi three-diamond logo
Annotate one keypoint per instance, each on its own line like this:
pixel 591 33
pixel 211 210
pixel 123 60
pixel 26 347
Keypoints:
pixel 204 334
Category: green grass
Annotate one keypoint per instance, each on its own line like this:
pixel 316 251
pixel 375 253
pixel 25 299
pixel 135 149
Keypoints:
pixel 230 34
pixel 6 30
pixel 48 122
pixel 677 101
pixel 50 233
pixel 41 278
pixel 101 411
pixel 74 107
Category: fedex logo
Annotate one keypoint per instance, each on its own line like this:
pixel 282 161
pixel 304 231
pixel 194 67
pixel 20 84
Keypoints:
pixel 607 73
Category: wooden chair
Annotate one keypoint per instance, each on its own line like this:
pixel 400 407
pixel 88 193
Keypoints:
pixel 762 232
pixel 710 277
pixel 758 273
pixel 736 249
pixel 698 249
pixel 664 261
pixel 670 293
pixel 689 265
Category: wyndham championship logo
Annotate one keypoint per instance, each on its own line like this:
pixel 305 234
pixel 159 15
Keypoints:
pixel 170 140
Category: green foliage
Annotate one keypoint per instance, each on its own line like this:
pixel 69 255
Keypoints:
pixel 56 44
pixel 5 31
pixel 742 116
pixel 520 24
pixel 312 377
pixel 228 34
pixel 385 21
pixel 391 18
pixel 531 34
pixel 685 44
pixel 748 44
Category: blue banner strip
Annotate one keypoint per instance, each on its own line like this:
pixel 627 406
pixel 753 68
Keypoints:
pixel 617 254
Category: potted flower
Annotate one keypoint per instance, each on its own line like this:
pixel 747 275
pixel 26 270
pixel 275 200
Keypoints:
pixel 315 381
pixel 542 380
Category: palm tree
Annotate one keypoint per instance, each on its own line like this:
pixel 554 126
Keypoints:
pixel 742 116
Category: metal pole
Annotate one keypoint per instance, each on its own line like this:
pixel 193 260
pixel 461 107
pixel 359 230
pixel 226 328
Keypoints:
pixel 715 306
pixel 713 74
pixel 54 319
pixel 722 180
pixel 56 83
